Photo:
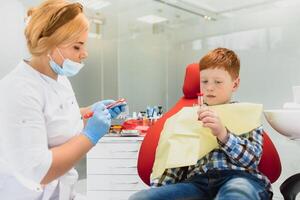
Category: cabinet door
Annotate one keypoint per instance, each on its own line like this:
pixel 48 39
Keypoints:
pixel 115 150
pixel 115 182
pixel 112 169
pixel 109 195
pixel 112 166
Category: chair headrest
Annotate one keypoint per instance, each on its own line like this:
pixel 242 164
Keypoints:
pixel 191 85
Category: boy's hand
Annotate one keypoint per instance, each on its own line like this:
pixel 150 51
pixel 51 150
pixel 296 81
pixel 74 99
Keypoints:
pixel 210 119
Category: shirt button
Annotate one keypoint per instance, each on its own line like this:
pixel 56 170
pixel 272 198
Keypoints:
pixel 61 106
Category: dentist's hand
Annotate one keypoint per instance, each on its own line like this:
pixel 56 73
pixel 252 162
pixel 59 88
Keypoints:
pixel 98 125
pixel 114 111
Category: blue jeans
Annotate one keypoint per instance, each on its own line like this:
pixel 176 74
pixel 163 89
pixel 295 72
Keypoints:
pixel 217 185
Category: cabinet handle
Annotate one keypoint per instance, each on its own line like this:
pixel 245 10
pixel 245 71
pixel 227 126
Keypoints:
pixel 122 151
pixel 121 141
pixel 131 167
pixel 127 183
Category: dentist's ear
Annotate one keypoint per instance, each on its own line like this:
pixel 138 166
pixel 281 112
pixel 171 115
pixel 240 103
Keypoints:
pixel 236 84
pixel 50 53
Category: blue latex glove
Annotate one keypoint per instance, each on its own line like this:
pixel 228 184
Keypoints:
pixel 98 125
pixel 114 111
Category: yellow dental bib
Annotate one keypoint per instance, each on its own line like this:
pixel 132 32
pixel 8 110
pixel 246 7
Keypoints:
pixel 184 140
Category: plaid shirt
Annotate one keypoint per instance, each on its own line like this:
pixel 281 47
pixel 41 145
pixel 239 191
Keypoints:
pixel 238 153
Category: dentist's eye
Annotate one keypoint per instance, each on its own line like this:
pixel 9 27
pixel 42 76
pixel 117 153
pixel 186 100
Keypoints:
pixel 76 48
pixel 218 82
pixel 204 81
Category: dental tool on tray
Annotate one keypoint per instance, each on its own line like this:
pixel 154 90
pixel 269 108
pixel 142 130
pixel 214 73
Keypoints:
pixel 114 104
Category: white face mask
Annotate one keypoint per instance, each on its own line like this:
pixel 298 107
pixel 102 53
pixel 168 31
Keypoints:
pixel 69 68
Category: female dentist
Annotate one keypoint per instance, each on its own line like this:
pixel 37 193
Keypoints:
pixel 42 134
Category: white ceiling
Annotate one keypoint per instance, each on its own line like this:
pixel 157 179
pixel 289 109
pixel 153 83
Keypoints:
pixel 219 7
pixel 178 12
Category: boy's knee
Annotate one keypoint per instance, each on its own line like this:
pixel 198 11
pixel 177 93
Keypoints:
pixel 141 195
pixel 238 188
pixel 135 196
pixel 239 184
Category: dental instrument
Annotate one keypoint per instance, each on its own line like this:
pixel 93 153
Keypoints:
pixel 114 104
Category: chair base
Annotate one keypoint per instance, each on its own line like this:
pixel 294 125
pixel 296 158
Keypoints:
pixel 290 187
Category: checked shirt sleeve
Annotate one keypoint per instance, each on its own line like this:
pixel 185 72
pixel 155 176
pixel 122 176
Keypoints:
pixel 244 150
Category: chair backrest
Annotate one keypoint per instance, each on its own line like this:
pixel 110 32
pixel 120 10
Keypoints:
pixel 270 162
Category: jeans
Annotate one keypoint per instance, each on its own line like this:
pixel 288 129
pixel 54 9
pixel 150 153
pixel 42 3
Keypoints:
pixel 217 185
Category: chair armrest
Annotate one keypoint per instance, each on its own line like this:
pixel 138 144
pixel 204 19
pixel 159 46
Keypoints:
pixel 290 187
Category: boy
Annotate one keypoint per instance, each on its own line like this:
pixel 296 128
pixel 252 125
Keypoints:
pixel 229 172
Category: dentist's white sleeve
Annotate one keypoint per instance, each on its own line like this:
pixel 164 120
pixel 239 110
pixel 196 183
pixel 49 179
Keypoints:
pixel 24 138
pixel 11 182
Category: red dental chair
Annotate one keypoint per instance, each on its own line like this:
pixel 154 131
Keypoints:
pixel 270 162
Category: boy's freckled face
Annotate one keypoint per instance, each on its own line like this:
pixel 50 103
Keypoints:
pixel 217 86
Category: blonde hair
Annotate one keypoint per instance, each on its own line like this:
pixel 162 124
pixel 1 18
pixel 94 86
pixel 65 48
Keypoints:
pixel 53 23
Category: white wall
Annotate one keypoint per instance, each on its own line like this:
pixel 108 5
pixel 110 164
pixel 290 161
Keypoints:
pixel 12 41
pixel 143 76
pixel 99 78
pixel 87 84
pixel 267 43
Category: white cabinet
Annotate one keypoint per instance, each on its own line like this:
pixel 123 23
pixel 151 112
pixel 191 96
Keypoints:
pixel 112 169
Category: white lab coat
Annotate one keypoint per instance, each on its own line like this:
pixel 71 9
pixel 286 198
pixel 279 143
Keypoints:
pixel 37 113
pixel 29 189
